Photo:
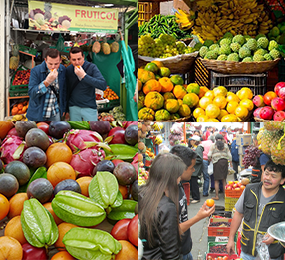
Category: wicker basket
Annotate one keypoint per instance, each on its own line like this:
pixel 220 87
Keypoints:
pixel 231 67
pixel 182 65
pixel 183 119
pixel 256 119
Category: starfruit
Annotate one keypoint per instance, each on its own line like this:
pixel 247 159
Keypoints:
pixel 38 224
pixel 86 244
pixel 104 189
pixel 77 209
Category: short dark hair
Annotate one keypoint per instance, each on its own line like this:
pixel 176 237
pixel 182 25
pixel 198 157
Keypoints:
pixel 53 53
pixel 74 50
pixel 185 153
pixel 271 166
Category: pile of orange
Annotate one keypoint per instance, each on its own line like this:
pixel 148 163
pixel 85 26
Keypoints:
pixel 110 94
pixel 20 108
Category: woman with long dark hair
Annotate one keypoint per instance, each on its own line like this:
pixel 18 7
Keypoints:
pixel 220 155
pixel 158 208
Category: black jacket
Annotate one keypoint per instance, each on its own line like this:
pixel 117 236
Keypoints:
pixel 273 212
pixel 169 247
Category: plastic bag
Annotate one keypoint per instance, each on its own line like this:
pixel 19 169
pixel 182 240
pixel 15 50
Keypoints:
pixel 262 248
pixel 210 168
pixel 60 43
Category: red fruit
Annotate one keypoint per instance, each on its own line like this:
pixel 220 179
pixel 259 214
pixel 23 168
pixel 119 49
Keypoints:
pixel 117 161
pixel 279 116
pixel 43 126
pixel 258 101
pixel 266 113
pixel 267 98
pixel 278 104
pixel 128 123
pixel 120 230
pixel 256 112
pixel 281 93
pixel 133 231
pixel 31 253
pixel 279 86
pixel 13 131
pixel 118 134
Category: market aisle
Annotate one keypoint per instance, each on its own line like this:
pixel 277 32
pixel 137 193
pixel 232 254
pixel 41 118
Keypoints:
pixel 199 232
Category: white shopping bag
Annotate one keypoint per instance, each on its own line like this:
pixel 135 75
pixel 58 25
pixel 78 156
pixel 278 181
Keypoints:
pixel 210 168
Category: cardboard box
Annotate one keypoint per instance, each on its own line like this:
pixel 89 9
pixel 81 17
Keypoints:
pixel 241 149
pixel 184 5
pixel 240 160
pixel 244 139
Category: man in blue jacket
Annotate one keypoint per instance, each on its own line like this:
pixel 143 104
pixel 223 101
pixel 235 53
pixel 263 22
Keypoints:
pixel 82 79
pixel 235 157
pixel 47 89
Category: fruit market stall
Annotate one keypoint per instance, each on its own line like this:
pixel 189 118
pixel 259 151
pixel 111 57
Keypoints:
pixel 236 45
pixel 36 26
pixel 65 184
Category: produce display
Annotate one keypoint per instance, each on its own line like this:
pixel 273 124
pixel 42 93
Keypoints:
pixel 115 114
pixel 250 156
pixel 164 97
pixel 19 111
pixel 110 94
pixel 69 186
pixel 22 77
pixel 237 185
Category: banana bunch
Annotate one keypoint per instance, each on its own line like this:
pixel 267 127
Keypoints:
pixel 19 118
pixel 185 21
pixel 157 126
pixel 216 17
pixel 158 140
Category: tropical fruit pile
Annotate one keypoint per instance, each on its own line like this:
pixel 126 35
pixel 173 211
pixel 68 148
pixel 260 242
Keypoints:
pixel 60 180
pixel 162 47
pixel 271 141
pixel 163 97
pixel 240 48
pixel 216 17
pixel 271 105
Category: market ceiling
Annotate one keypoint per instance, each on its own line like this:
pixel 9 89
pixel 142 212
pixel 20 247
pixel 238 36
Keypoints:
pixel 116 3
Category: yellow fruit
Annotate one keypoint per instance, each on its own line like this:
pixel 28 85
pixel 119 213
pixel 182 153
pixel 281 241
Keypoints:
pixel 210 94
pixel 247 103
pixel 241 112
pixel 245 93
pixel 212 111
pixel 205 101
pixel 184 110
pixel 232 97
pixel 231 107
pixel 198 112
pixel 203 118
pixel 220 91
pixel 220 101
pixel 229 118
pixel 212 120
pixel 222 114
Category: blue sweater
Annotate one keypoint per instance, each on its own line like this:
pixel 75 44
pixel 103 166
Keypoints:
pixel 37 99
pixel 83 95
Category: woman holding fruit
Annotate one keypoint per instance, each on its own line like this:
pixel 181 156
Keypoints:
pixel 220 155
pixel 158 208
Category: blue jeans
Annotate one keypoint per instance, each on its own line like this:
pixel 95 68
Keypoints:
pixel 245 256
pixel 187 257
pixel 83 114
pixel 206 178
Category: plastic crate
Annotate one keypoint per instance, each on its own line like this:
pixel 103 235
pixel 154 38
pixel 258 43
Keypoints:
pixel 213 255
pixel 18 92
pixel 211 244
pixel 230 203
pixel 219 231
pixel 202 75
pixel 234 82
pixel 16 87
pixel 221 239
pixel 102 103
pixel 147 10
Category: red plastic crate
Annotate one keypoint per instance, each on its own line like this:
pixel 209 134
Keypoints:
pixel 218 231
pixel 233 193
pixel 213 255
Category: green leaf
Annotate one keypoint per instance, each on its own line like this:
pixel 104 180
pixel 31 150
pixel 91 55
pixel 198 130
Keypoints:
pixel 41 172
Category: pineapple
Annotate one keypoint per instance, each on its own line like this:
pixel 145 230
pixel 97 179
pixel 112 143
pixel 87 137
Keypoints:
pixel 273 125
pixel 278 146
pixel 14 60
pixel 266 141
pixel 115 45
pixel 105 47
pixel 277 160
pixel 96 46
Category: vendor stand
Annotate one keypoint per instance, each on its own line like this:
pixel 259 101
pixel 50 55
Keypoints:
pixel 126 17
pixel 254 68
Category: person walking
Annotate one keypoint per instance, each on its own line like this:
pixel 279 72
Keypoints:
pixel 235 157
pixel 47 89
pixel 220 155
pixel 82 79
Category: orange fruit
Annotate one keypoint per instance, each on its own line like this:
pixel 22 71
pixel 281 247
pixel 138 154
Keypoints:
pixel 202 118
pixel 55 217
pixel 268 96
pixel 232 97
pixel 62 230
pixel 231 107
pixel 128 252
pixel 58 152
pixel 198 112
pixel 210 202
pixel 247 103
pixel 202 92
pixel 14 229
pixel 184 110
pixel 241 112
pixel 191 99
pixel 158 63
pixel 222 113
pixel 244 93
pixel 124 191
pixel 212 111
pixel 4 206
pixel 229 118
pixel 63 255
pixel 210 94
pixel 60 171
pixel 220 91
pixel 10 249
pixel 205 101
pixel 84 184
pixel 5 127
pixel 17 204
pixel 220 101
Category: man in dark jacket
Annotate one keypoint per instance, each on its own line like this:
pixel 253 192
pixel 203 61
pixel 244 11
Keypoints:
pixel 189 158
pixel 82 79
pixel 235 157
pixel 260 206
pixel 47 89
